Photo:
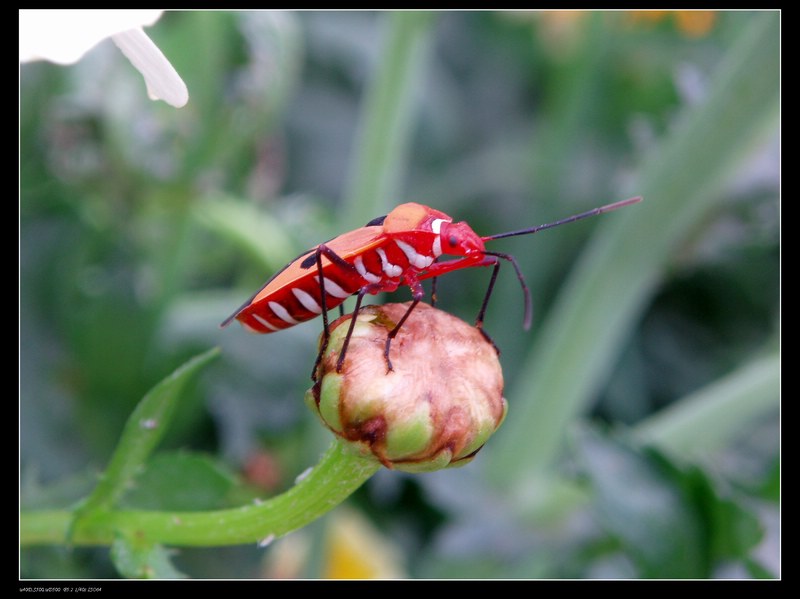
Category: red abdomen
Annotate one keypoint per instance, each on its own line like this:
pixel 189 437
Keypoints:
pixel 366 259
pixel 278 307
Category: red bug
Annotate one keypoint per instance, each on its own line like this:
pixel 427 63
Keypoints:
pixel 401 248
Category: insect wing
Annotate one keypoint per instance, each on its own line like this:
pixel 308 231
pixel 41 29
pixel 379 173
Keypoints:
pixel 302 276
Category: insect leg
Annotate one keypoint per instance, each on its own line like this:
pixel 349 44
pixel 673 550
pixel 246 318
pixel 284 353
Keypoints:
pixel 433 292
pixel 335 258
pixel 417 294
pixel 526 322
pixel 321 250
pixel 346 343
pixel 393 333
pixel 326 331
pixel 482 311
pixel 492 260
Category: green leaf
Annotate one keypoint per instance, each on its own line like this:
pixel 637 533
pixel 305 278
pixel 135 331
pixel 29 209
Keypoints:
pixel 144 429
pixel 146 561
pixel 638 504
pixel 731 530
pixel 771 488
pixel 671 519
pixel 253 230
pixel 181 481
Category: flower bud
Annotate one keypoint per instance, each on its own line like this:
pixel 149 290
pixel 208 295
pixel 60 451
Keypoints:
pixel 435 409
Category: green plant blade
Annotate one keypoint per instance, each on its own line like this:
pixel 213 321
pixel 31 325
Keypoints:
pixel 182 481
pixel 144 429
pixel 708 418
pixel 611 284
pixel 386 119
pixel 256 231
pixel 641 496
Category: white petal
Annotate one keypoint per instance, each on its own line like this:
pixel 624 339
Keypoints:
pixel 162 80
pixel 63 36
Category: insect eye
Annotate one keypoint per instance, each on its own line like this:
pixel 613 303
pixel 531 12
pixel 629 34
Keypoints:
pixel 452 240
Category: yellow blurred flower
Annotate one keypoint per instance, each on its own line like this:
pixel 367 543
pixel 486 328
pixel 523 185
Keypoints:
pixel 563 28
pixel 356 550
pixel 691 23
pixel 353 550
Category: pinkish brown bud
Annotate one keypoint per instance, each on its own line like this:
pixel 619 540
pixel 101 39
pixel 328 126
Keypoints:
pixel 438 406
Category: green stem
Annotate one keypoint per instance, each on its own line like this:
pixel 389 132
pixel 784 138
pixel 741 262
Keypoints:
pixel 338 474
pixel 386 121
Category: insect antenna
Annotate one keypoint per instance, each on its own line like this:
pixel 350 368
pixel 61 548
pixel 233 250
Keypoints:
pixel 569 219
pixel 512 260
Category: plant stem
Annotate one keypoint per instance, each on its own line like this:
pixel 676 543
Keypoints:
pixel 385 125
pixel 338 474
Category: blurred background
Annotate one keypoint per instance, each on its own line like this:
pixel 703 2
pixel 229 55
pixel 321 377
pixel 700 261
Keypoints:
pixel 642 439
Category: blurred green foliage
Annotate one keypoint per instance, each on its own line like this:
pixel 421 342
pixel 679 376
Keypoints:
pixel 142 227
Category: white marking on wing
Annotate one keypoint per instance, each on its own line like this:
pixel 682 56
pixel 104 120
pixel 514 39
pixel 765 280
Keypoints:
pixel 334 289
pixel 267 324
pixel 305 298
pixel 281 312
